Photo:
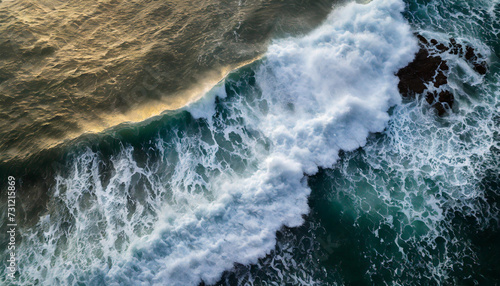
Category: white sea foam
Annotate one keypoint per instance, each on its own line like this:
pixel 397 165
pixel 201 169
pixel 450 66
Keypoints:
pixel 219 193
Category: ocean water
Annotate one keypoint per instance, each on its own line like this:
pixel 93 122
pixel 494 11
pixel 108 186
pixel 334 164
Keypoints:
pixel 305 167
pixel 78 66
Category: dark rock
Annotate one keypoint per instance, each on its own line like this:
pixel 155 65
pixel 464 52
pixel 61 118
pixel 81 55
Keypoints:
pixel 444 66
pixel 470 55
pixel 473 59
pixel 430 97
pixel 440 108
pixel 422 39
pixel 441 102
pixel 428 67
pixel 414 77
pixel 446 96
pixel 481 68
pixel 442 48
pixel 440 79
pixel 456 49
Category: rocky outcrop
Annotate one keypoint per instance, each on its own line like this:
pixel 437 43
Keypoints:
pixel 429 67
pixel 413 79
pixel 440 101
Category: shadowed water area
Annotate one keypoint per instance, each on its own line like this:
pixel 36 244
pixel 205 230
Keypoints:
pixel 70 67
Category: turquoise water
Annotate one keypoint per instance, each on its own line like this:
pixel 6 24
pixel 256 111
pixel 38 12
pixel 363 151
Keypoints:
pixel 303 168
